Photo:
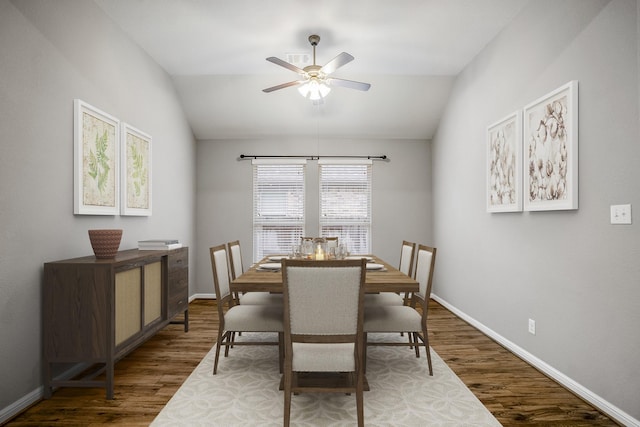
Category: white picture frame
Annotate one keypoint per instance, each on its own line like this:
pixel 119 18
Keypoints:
pixel 550 148
pixel 96 161
pixel 504 164
pixel 136 191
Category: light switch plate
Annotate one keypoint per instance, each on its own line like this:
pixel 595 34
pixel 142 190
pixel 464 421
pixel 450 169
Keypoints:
pixel 621 214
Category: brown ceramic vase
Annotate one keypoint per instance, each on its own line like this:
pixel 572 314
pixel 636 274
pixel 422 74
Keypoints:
pixel 105 243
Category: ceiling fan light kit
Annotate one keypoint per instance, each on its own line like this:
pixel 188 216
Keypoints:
pixel 314 89
pixel 315 83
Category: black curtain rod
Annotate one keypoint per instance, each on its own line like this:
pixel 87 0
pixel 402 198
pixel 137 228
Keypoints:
pixel 249 156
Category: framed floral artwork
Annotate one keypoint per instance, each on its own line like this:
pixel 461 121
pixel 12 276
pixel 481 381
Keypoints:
pixel 136 172
pixel 551 150
pixel 504 164
pixel 96 161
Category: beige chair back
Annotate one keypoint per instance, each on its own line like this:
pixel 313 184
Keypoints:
pixel 425 263
pixel 220 272
pixel 323 297
pixel 407 254
pixel 235 259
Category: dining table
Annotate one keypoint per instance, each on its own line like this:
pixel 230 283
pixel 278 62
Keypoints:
pixel 266 276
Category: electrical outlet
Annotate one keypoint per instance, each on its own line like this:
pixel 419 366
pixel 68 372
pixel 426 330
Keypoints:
pixel 621 214
pixel 532 326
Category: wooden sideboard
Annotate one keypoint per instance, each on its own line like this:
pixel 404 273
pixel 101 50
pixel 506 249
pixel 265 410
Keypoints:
pixel 95 311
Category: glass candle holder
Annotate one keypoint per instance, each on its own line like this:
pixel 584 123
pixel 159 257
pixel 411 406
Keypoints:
pixel 320 249
pixel 321 252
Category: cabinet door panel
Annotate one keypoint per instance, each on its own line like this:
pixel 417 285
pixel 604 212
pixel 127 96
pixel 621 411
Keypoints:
pixel 152 292
pixel 128 304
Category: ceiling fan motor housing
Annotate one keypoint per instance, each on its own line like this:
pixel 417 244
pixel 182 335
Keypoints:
pixel 314 39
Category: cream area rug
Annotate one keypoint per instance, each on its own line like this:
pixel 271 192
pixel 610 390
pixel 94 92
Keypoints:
pixel 245 392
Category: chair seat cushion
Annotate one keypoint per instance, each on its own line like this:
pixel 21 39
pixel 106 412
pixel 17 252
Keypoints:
pixel 392 319
pixel 261 298
pixel 254 318
pixel 383 298
pixel 309 357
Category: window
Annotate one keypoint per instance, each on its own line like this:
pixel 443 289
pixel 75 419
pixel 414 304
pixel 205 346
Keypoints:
pixel 278 206
pixel 345 203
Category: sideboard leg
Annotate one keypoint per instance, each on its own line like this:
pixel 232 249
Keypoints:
pixel 109 382
pixel 47 380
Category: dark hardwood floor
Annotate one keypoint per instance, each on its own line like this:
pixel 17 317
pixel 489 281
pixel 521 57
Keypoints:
pixel 516 393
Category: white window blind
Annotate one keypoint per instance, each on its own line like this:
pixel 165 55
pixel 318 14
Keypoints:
pixel 345 203
pixel 278 207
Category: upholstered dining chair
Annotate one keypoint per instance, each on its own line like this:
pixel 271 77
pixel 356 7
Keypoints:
pixel 236 269
pixel 323 315
pixel 240 318
pixel 406 318
pixel 407 254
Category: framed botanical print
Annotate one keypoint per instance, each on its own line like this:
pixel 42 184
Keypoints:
pixel 96 161
pixel 136 172
pixel 504 164
pixel 551 150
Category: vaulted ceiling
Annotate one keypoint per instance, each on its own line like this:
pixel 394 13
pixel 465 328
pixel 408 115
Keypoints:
pixel 409 50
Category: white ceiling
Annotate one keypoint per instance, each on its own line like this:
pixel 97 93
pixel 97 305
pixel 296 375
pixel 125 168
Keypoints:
pixel 409 50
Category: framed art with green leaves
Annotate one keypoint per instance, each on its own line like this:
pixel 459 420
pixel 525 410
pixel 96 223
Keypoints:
pixel 96 162
pixel 136 172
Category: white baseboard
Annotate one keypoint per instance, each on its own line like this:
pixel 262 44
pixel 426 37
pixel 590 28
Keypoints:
pixel 611 410
pixel 20 405
pixel 202 296
pixel 35 396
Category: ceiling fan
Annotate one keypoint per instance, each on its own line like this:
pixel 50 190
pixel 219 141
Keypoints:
pixel 315 81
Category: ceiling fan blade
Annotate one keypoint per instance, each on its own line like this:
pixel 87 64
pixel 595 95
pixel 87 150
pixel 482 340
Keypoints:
pixel 283 85
pixel 285 64
pixel 349 83
pixel 337 62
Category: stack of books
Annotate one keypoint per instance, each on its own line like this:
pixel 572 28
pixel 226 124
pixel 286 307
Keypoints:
pixel 159 245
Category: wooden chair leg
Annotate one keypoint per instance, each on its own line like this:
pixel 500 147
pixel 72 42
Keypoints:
pixel 350 380
pixel 218 344
pixel 227 343
pixel 428 350
pixel 281 351
pixel 287 398
pixel 364 354
pixel 360 401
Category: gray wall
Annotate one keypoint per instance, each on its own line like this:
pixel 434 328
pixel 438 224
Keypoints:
pixel 53 52
pixel 571 271
pixel 401 193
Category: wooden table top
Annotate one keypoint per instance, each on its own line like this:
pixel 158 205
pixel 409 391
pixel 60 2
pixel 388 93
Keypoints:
pixel 388 280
